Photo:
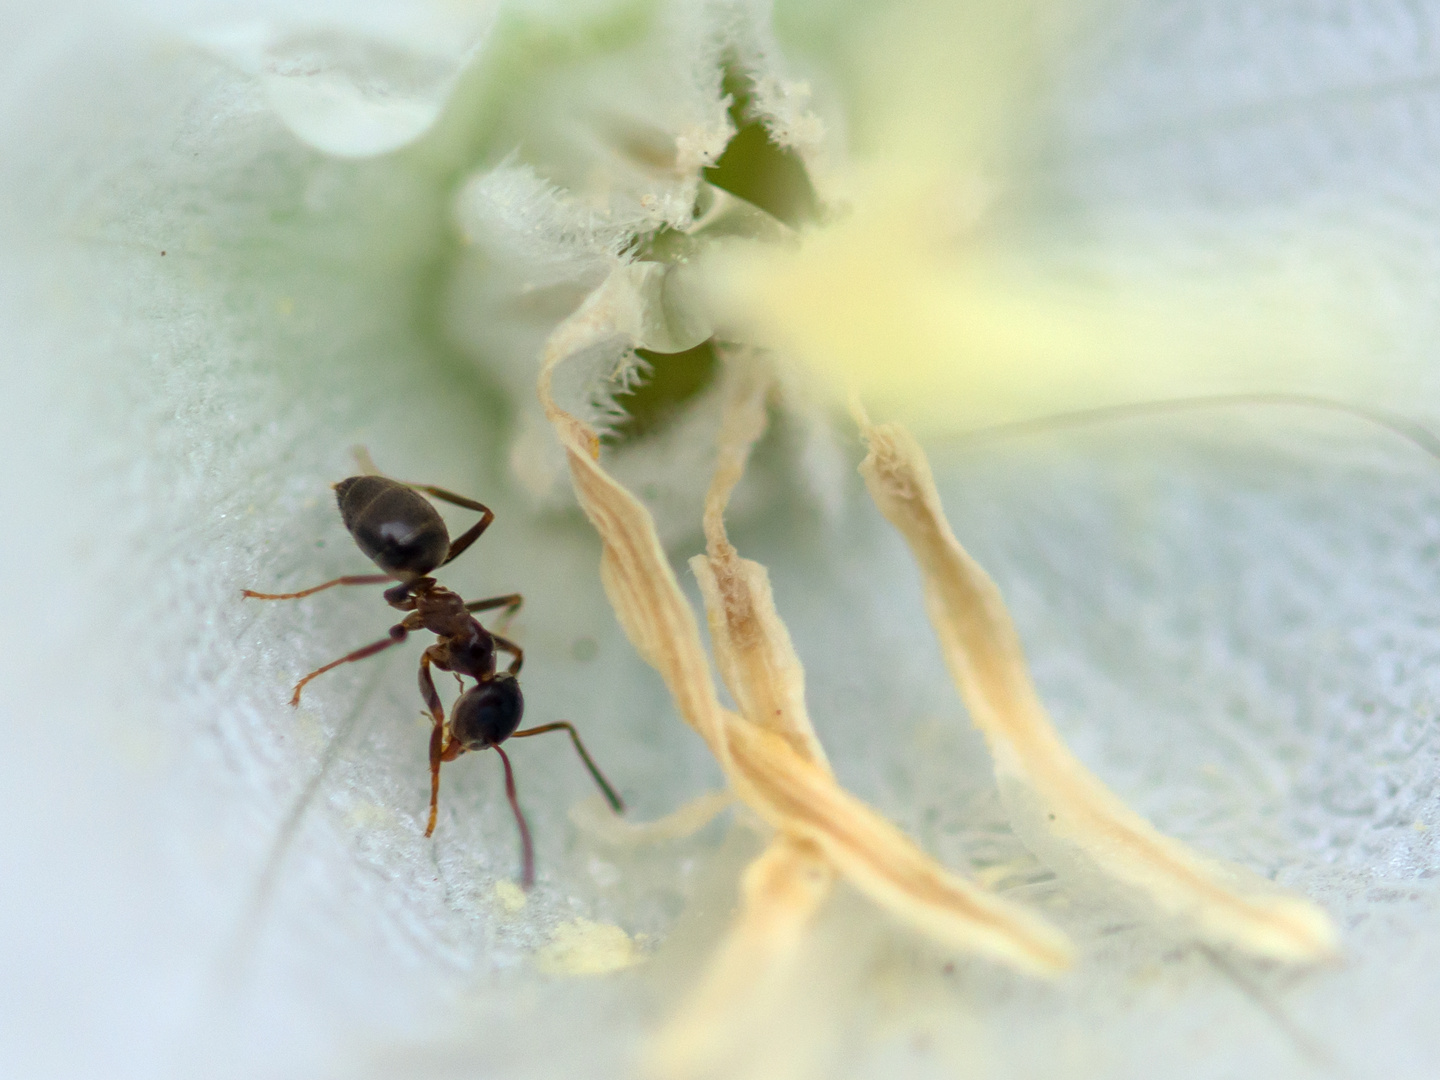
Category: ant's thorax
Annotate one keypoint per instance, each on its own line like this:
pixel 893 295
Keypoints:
pixel 464 646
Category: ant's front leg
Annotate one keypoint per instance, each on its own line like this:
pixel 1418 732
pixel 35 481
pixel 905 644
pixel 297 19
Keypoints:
pixel 427 686
pixel 441 747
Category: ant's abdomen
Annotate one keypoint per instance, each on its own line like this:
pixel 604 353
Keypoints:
pixel 394 525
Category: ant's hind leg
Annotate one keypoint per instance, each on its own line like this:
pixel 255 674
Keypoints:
pixel 451 497
pixel 398 633
pixel 510 603
pixel 470 535
pixel 349 579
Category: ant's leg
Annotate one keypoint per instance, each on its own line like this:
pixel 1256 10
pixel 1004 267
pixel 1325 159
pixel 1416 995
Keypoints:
pixel 527 848
pixel 465 539
pixel 351 579
pixel 510 603
pixel 428 691
pixel 506 645
pixel 437 750
pixel 398 633
pixel 401 597
pixel 441 748
pixel 451 497
pixel 616 803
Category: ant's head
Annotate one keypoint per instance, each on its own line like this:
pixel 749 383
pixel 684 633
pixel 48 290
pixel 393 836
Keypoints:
pixel 488 713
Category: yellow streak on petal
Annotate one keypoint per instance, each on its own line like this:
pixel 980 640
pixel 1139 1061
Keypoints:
pixel 898 303
pixel 1224 904
pixel 899 297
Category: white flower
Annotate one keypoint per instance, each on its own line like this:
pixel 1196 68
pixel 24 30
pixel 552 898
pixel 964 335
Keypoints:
pixel 234 245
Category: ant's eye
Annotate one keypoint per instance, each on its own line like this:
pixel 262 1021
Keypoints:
pixel 487 714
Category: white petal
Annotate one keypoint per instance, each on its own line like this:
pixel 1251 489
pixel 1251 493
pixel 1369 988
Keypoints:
pixel 363 82
pixel 169 422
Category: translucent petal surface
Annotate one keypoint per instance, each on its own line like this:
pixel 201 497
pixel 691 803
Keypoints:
pixel 1229 617
pixel 353 80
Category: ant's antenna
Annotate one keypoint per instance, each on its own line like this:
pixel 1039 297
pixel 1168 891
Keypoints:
pixel 527 848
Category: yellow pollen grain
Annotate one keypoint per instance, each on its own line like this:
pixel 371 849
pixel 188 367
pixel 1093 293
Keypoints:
pixel 509 896
pixel 582 947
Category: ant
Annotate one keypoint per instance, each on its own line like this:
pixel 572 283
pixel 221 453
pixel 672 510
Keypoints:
pixel 403 534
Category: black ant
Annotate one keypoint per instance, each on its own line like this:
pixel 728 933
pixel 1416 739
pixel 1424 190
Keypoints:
pixel 402 533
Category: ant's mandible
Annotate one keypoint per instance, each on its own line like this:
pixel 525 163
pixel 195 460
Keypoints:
pixel 404 535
